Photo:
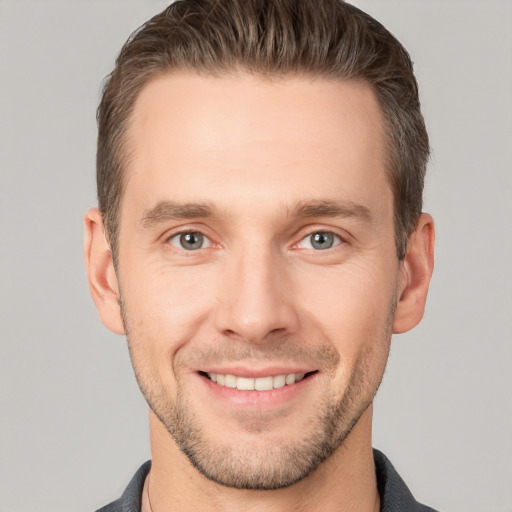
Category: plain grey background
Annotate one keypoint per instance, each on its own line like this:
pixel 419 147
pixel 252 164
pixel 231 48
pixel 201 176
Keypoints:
pixel 73 427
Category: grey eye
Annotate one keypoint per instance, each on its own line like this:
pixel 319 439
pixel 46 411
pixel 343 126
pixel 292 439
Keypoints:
pixel 320 241
pixel 190 241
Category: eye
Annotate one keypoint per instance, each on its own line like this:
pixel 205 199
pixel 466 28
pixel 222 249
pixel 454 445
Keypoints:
pixel 190 241
pixel 320 241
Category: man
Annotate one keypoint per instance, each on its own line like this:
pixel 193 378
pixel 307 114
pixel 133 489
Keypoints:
pixel 259 238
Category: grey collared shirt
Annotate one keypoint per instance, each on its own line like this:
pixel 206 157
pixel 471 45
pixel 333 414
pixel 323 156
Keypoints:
pixel 394 494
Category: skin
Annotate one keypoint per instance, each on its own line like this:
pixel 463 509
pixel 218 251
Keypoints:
pixel 251 164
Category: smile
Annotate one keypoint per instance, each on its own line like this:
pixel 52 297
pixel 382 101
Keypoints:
pixel 257 383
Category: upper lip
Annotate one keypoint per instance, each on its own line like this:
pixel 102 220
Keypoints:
pixel 244 371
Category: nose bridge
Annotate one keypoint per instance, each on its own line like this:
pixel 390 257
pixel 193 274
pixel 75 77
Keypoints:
pixel 255 303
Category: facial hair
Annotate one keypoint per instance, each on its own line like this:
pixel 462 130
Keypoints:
pixel 265 465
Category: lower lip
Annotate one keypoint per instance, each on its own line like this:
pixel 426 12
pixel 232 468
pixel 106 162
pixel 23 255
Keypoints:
pixel 270 398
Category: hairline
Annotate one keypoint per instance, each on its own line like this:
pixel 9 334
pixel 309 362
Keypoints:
pixel 125 151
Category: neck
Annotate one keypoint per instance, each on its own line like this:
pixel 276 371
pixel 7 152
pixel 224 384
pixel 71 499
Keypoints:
pixel 345 481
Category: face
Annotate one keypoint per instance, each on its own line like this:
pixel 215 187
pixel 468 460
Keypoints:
pixel 257 268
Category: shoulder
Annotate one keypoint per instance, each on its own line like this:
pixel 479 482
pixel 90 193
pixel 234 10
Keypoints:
pixel 394 494
pixel 131 499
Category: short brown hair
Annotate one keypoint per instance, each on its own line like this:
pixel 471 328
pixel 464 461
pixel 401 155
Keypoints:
pixel 321 38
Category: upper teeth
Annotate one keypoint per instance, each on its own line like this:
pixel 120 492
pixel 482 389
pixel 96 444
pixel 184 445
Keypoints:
pixel 258 384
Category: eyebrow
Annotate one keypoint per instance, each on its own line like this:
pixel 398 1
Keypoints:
pixel 332 208
pixel 170 210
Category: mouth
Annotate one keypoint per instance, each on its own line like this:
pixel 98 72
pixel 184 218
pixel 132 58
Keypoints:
pixel 265 383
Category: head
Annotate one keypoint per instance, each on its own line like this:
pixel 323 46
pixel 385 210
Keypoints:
pixel 260 173
pixel 329 38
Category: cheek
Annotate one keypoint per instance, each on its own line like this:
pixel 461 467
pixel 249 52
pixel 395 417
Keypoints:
pixel 351 305
pixel 354 314
pixel 164 309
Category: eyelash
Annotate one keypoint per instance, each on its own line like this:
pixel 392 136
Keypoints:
pixel 181 234
pixel 336 240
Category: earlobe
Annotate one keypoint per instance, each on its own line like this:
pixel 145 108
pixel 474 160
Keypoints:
pixel 415 273
pixel 101 274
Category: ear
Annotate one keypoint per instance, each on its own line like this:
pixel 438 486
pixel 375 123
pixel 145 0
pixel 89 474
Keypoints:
pixel 415 273
pixel 102 277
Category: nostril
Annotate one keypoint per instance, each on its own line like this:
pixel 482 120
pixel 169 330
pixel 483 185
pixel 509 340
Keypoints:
pixel 279 331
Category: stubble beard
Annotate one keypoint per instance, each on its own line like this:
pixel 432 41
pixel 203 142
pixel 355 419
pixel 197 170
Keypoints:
pixel 275 465
pixel 268 467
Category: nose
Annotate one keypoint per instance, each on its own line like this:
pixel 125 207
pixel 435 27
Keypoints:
pixel 256 301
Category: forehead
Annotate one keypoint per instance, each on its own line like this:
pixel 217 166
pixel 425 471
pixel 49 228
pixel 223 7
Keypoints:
pixel 268 140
